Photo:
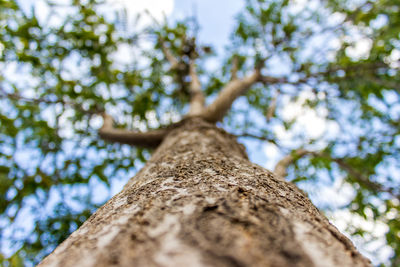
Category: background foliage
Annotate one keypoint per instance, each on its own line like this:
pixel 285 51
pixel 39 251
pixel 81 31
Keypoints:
pixel 335 62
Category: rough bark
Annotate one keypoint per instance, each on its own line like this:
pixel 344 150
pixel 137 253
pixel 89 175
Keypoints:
pixel 200 202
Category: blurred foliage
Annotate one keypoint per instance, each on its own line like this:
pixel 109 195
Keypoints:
pixel 61 66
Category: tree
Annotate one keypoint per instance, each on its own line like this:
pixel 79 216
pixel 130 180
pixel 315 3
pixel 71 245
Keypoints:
pixel 198 193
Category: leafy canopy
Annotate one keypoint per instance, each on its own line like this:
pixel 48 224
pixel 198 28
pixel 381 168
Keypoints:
pixel 334 62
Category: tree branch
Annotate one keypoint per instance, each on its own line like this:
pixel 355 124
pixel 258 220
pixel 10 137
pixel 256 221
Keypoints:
pixel 281 170
pixel 283 80
pixel 281 167
pixel 166 51
pixel 234 70
pixel 149 139
pixel 196 94
pixel 77 106
pixel 362 179
pixel 272 106
pixel 235 88
pixel 168 54
pixel 271 80
pixel 261 138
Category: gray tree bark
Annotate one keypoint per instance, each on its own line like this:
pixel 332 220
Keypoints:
pixel 200 202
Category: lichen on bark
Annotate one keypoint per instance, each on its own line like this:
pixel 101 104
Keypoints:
pixel 199 201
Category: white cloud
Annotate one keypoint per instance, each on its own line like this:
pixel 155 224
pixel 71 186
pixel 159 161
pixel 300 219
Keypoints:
pixel 272 153
pixel 393 59
pixel 339 194
pixel 1 49
pixel 42 11
pixel 376 249
pixel 314 125
pixel 312 121
pixel 157 8
pixel 360 49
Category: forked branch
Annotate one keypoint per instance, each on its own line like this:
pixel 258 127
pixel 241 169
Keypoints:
pixel 235 88
pixel 150 139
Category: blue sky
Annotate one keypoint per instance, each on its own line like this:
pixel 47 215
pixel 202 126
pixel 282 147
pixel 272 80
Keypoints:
pixel 214 16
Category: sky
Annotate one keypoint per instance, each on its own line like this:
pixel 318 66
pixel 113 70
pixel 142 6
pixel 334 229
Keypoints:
pixel 216 18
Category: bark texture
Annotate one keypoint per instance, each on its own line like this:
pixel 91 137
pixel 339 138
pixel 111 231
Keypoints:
pixel 200 202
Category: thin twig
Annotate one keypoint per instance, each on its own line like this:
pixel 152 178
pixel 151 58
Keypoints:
pixel 262 138
pixel 165 49
pixel 272 106
pixel 168 54
pixel 39 100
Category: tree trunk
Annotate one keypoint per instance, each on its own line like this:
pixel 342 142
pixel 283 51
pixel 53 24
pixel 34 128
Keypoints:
pixel 200 202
